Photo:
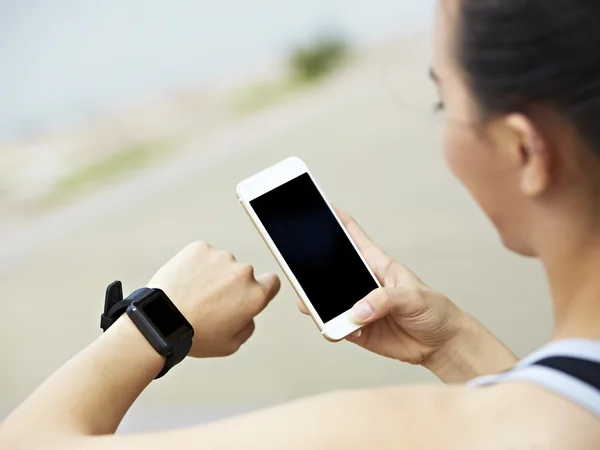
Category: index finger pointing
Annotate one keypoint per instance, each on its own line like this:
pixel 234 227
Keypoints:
pixel 359 236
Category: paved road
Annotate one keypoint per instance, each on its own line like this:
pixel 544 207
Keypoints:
pixel 376 158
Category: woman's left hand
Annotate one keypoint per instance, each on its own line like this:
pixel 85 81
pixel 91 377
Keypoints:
pixel 408 321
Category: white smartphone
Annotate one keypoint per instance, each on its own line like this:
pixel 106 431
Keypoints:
pixel 310 244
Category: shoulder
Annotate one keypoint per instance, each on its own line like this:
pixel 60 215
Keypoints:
pixel 507 416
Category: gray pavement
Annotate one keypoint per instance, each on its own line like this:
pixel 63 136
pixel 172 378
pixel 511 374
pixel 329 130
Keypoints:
pixel 374 157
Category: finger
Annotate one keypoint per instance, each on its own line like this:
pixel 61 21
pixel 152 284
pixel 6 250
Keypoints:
pixel 356 334
pixel 246 333
pixel 376 305
pixel 359 337
pixel 270 286
pixel 303 309
pixel 359 236
pixel 377 259
pixel 402 301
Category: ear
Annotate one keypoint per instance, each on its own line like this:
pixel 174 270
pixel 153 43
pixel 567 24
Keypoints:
pixel 533 153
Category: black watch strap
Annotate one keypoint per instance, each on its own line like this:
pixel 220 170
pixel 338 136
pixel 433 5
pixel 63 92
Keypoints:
pixel 178 355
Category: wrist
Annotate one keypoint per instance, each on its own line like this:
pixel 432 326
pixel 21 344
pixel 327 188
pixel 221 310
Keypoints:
pixel 452 360
pixel 133 348
pixel 473 352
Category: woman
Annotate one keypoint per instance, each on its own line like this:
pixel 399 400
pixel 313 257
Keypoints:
pixel 519 81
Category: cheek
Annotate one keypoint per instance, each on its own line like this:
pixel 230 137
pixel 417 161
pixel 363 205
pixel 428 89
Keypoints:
pixel 461 153
pixel 471 161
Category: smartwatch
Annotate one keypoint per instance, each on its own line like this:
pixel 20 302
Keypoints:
pixel 157 318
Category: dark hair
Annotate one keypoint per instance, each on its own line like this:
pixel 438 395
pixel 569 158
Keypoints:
pixel 521 53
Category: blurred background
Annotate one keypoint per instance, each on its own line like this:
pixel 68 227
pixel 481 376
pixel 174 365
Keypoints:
pixel 124 129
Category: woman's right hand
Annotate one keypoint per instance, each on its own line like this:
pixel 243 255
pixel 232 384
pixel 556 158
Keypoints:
pixel 218 295
pixel 408 321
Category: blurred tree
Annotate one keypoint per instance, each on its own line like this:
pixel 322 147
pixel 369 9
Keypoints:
pixel 317 59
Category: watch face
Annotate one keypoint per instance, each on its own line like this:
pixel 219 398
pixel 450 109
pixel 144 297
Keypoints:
pixel 164 317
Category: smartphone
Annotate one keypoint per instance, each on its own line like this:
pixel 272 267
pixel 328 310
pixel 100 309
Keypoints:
pixel 309 242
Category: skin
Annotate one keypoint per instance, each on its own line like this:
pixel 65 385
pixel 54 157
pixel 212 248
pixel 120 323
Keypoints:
pixel 533 176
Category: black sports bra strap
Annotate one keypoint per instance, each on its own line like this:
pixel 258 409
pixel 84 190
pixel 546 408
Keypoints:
pixel 584 370
pixel 568 368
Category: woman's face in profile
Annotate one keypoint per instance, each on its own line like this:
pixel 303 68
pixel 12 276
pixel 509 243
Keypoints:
pixel 474 150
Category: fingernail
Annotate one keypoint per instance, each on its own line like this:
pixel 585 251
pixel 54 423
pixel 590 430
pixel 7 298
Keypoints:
pixel 269 279
pixel 362 311
pixel 267 276
pixel 357 334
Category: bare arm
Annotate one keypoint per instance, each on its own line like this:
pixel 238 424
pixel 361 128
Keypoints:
pixel 81 405
pixel 79 409
pixel 350 420
pixel 90 394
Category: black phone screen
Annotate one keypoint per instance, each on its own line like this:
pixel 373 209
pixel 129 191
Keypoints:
pixel 315 246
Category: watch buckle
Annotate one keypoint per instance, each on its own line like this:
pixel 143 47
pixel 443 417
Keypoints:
pixel 114 295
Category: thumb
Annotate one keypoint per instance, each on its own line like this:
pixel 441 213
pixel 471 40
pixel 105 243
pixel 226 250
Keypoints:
pixel 268 288
pixel 270 284
pixel 375 306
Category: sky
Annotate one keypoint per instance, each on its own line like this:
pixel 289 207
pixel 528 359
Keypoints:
pixel 61 60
